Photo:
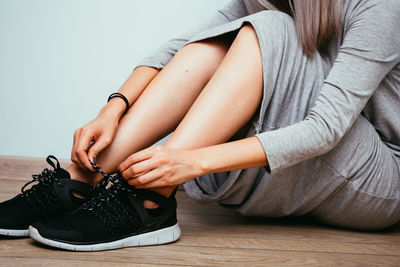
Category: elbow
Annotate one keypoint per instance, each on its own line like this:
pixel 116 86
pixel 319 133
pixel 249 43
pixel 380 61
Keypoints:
pixel 329 133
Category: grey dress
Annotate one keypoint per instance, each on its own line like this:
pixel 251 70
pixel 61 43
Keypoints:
pixel 329 125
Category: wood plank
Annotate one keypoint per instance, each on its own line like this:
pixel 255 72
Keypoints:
pixel 212 236
pixel 196 255
pixel 21 168
pixel 280 229
pixel 300 245
pixel 17 262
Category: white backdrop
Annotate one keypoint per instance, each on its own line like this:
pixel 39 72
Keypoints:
pixel 59 61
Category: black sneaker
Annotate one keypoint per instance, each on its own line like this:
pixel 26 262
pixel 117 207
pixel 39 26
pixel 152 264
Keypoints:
pixel 116 218
pixel 50 197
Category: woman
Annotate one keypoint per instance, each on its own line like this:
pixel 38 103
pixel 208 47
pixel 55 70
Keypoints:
pixel 278 108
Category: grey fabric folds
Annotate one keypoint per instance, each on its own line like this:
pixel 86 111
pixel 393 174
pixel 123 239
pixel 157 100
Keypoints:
pixel 329 125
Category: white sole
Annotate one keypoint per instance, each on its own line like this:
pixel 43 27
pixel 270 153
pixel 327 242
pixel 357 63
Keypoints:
pixel 10 232
pixel 159 237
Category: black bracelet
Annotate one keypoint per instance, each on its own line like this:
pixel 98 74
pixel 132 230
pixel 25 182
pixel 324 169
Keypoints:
pixel 120 96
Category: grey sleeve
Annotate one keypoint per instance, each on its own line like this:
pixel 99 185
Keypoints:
pixel 370 49
pixel 160 57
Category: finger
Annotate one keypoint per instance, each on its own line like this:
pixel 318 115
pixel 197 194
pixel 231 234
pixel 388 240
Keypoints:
pixel 82 147
pixel 138 168
pixel 97 147
pixel 135 158
pixel 146 178
pixel 159 183
pixel 74 156
pixel 77 133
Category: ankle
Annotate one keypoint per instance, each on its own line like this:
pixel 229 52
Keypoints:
pixel 148 204
pixel 81 175
pixel 165 191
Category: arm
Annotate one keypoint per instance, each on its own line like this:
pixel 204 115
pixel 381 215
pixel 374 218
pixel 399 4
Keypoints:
pixel 241 154
pixel 131 89
pixel 370 49
pixel 159 166
pixel 102 129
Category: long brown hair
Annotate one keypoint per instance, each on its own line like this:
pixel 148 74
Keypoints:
pixel 317 21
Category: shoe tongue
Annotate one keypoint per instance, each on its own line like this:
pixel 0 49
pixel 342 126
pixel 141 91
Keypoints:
pixel 62 173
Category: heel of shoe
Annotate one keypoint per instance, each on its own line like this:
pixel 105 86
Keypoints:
pixel 14 233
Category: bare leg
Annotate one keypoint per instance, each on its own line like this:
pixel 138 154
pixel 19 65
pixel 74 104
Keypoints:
pixel 224 106
pixel 151 117
pixel 229 100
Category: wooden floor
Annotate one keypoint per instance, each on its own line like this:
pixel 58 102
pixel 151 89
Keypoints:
pixel 212 236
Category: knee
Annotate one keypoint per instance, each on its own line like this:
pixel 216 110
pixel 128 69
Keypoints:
pixel 247 31
pixel 268 27
pixel 274 17
pixel 275 23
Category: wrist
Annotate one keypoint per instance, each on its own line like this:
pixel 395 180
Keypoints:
pixel 241 154
pixel 120 96
pixel 202 162
pixel 113 110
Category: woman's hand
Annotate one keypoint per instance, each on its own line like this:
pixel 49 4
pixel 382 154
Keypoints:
pixel 159 166
pixel 91 139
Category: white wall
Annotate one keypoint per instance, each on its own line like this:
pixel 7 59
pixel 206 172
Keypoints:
pixel 59 61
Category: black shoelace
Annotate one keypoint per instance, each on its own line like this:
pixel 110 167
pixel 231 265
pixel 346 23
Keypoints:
pixel 41 196
pixel 109 207
pixel 118 184
pixel 47 177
